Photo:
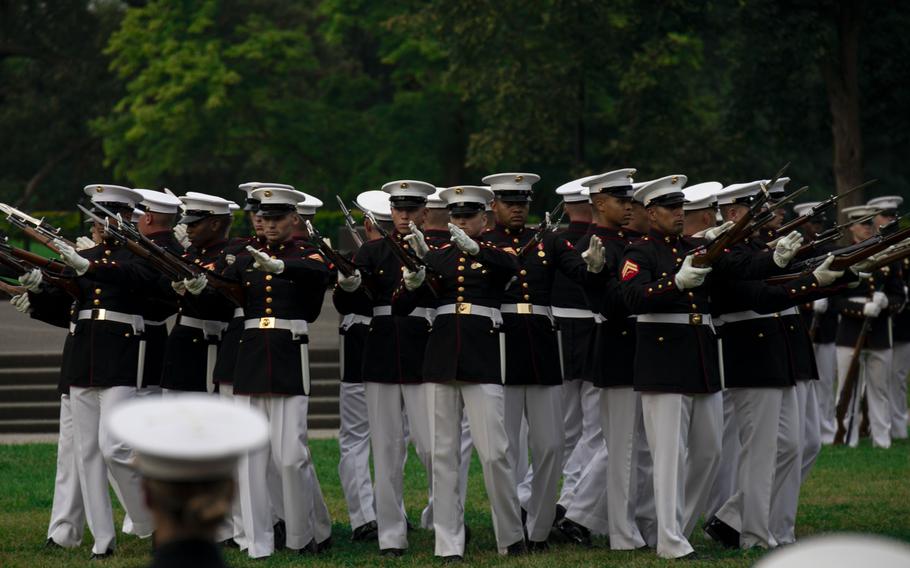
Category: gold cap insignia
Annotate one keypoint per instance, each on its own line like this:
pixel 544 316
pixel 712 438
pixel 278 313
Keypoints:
pixel 266 193
pixel 459 190
pixel 675 179
pixel 99 189
pixel 519 178
pixel 404 185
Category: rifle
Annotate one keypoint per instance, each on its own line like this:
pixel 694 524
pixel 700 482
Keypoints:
pixel 173 266
pixel 407 257
pixel 546 225
pixel 891 255
pixel 11 290
pixel 37 229
pixel 9 257
pixel 740 230
pixel 848 391
pixel 820 207
pixel 826 236
pixel 345 266
pixel 349 222
pixel 767 215
pixel 32 259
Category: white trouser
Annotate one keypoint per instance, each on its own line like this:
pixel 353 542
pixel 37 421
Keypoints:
pixel 684 435
pixel 542 406
pixel 788 470
pixel 387 406
pixel 305 512
pixel 748 510
pixel 235 522
pixel 584 436
pixel 151 390
pixel 354 446
pixel 97 452
pixel 67 513
pixel 725 482
pixel 467 446
pixel 587 503
pixel 621 411
pixel 826 361
pixel 484 406
pixel 874 381
pixel 901 368
pixel 810 441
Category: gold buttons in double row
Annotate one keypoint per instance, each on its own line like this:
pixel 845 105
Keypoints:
pixel 515 240
pixel 107 252
pixel 461 289
pixel 97 290
pixel 461 259
pixel 459 299
pixel 96 302
pixel 694 307
pixel 660 339
pixel 524 284
pixel 527 297
pixel 268 288
pixel 523 272
pixel 247 283
pixel 541 254
pixel 460 268
pixel 268 277
pixel 268 300
pixel 760 335
pixel 268 310
pixel 461 278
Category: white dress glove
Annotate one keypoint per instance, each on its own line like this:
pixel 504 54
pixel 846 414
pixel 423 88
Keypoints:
pixel 181 236
pixel 264 262
pixel 349 283
pixel 417 241
pixel 714 232
pixel 823 273
pixel 690 276
pixel 594 256
pixel 871 310
pixel 786 248
pixel 71 258
pixel 83 243
pixel 413 280
pixel 21 303
pixel 820 306
pixel 463 241
pixel 881 299
pixel 179 286
pixel 32 280
pixel 196 285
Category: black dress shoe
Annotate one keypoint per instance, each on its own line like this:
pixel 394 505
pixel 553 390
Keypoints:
pixel 392 552
pixel 575 533
pixel 560 514
pixel 691 557
pixel 229 543
pixel 51 544
pixel 467 535
pixel 365 532
pixel 280 532
pixel 324 545
pixel 101 556
pixel 722 532
pixel 517 549
pixel 534 546
pixel 453 559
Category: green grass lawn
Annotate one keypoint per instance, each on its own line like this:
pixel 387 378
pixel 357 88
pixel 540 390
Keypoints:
pixel 859 490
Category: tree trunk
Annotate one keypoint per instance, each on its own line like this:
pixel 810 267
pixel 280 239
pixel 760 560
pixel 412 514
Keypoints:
pixel 840 70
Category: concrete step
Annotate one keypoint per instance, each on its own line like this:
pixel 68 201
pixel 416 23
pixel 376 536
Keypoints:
pixel 29 393
pixel 29 426
pixel 327 422
pixel 324 387
pixel 10 376
pixel 30 410
pixel 30 359
pixel 320 405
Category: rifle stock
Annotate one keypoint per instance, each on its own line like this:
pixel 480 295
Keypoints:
pixel 849 389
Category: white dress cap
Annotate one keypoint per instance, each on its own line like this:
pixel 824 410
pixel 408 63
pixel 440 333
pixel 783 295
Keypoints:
pixel 375 202
pixel 190 438
pixel 467 198
pixel 251 204
pixel 513 187
pixel 617 183
pixel 574 191
pixel 739 193
pixel 137 215
pixel 198 206
pixel 886 202
pixel 434 201
pixel 858 212
pixel 160 202
pixel 276 201
pixel 839 551
pixel 779 188
pixel 701 195
pixel 662 191
pixel 309 205
pixel 113 195
pixel 408 192
pixel 802 208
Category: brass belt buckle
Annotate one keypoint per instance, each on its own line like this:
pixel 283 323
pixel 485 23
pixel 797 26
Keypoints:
pixel 99 314
pixel 695 319
pixel 463 308
pixel 266 323
pixel 524 309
